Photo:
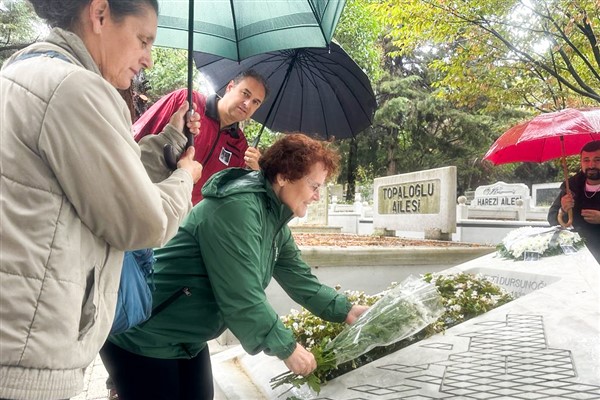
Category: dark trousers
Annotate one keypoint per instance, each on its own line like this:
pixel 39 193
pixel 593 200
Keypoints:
pixel 141 378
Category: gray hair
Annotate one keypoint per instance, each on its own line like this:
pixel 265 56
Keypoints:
pixel 65 13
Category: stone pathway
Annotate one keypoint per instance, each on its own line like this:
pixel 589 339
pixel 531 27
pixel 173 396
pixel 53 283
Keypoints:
pixel 94 383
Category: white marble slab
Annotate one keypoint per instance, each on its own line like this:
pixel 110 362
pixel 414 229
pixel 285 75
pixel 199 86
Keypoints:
pixel 543 345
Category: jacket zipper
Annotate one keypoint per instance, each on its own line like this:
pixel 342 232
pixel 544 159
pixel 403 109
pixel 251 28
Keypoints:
pixel 159 308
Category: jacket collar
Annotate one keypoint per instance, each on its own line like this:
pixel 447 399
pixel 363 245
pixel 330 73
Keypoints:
pixel 212 111
pixel 273 202
pixel 75 46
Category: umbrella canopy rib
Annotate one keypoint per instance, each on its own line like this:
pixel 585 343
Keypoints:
pixel 235 30
pixel 327 68
pixel 318 19
pixel 278 95
pixel 318 91
pixel 308 73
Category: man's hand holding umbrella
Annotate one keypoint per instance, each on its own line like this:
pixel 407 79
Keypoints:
pixel 251 157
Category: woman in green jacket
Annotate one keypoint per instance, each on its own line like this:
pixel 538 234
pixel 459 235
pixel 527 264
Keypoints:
pixel 213 276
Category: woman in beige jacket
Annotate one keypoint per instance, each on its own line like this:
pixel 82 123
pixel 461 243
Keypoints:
pixel 73 192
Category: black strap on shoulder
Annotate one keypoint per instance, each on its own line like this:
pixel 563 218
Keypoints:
pixel 45 53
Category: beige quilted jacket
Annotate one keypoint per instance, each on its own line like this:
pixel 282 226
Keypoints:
pixel 73 195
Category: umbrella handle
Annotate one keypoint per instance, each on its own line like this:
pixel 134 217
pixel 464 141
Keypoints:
pixel 566 176
pixel 561 220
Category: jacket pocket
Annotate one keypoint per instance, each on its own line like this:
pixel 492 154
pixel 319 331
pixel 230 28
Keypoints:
pixel 89 310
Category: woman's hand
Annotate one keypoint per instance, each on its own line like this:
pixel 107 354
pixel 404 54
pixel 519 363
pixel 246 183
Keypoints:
pixel 188 163
pixel 301 362
pixel 355 312
pixel 178 119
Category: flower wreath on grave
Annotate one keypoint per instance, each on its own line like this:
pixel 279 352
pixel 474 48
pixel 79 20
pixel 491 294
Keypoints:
pixel 531 243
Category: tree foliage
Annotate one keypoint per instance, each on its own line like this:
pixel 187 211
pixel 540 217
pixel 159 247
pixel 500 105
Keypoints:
pixel 19 27
pixel 541 54
pixel 417 130
pixel 358 32
pixel 168 73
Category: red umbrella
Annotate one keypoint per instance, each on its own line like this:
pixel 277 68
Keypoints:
pixel 546 137
pixel 539 139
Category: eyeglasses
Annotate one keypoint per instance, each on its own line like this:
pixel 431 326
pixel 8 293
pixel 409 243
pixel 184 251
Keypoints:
pixel 314 186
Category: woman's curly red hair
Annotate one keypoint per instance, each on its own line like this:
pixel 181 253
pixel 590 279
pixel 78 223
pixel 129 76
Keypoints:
pixel 294 154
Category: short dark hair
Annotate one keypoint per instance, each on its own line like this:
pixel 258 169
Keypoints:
pixel 250 73
pixel 65 13
pixel 294 154
pixel 592 146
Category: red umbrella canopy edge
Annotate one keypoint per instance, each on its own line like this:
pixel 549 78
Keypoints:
pixel 538 139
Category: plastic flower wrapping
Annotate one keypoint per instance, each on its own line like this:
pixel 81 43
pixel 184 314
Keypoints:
pixel 522 242
pixel 401 312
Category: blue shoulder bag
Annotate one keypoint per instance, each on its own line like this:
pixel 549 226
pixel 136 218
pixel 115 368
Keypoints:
pixel 134 302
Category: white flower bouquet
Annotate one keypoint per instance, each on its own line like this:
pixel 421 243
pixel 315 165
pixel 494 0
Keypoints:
pixel 528 241
pixel 401 312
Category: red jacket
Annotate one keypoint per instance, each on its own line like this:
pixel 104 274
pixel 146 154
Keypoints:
pixel 216 149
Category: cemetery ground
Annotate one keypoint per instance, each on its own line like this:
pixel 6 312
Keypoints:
pixel 346 240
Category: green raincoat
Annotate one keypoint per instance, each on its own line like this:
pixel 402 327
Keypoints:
pixel 212 275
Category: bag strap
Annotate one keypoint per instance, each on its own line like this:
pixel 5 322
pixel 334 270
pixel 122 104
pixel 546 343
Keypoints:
pixel 46 53
pixel 40 53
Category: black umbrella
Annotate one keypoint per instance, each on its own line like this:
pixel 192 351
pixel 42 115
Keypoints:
pixel 240 28
pixel 317 91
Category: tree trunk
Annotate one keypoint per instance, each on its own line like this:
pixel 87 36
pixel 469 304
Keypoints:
pixel 351 176
pixel 391 153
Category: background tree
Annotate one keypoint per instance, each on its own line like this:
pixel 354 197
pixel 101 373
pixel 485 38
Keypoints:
pixel 417 129
pixel 168 73
pixel 359 33
pixel 539 54
pixel 19 27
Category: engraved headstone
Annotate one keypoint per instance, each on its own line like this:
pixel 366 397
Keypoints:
pixel 543 194
pixel 500 194
pixel 417 201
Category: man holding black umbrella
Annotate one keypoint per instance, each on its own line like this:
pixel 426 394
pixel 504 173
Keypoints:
pixel 584 199
pixel 221 143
